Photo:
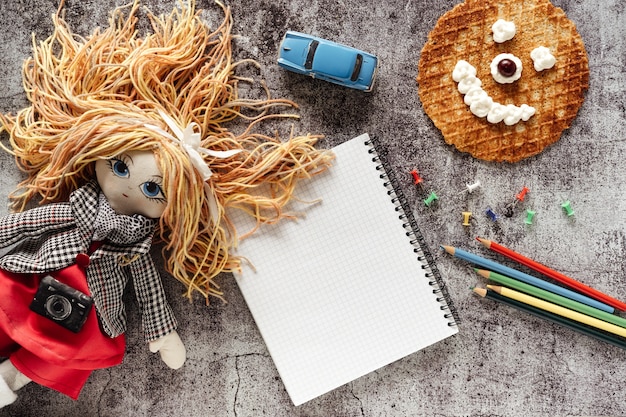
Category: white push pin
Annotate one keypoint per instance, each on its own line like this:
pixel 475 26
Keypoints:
pixel 472 187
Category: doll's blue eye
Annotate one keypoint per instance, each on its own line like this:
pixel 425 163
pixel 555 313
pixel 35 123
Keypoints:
pixel 120 168
pixel 151 189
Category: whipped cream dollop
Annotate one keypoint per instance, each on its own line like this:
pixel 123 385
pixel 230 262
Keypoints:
pixel 498 76
pixel 503 30
pixel 542 58
pixel 481 104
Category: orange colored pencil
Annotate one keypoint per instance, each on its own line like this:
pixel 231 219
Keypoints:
pixel 557 276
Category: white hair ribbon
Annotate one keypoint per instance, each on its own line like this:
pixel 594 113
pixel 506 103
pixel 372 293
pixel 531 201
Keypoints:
pixel 189 139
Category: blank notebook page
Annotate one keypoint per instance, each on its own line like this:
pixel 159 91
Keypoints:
pixel 339 292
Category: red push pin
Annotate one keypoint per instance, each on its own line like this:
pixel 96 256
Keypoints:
pixel 519 197
pixel 416 177
pixel 522 194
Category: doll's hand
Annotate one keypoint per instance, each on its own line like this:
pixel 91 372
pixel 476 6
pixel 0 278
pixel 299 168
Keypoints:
pixel 171 349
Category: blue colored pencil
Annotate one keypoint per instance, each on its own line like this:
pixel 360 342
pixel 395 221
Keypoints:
pixel 528 279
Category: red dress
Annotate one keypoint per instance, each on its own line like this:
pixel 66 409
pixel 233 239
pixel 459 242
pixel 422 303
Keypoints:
pixel 43 350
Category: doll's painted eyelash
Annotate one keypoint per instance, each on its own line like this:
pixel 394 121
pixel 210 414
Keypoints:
pixel 153 190
pixel 119 167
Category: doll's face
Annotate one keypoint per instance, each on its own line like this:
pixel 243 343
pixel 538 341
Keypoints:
pixel 132 183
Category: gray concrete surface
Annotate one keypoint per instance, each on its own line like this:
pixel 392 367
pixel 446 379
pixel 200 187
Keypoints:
pixel 502 362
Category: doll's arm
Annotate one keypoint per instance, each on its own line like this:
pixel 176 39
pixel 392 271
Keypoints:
pixel 159 323
pixel 171 348
pixel 35 222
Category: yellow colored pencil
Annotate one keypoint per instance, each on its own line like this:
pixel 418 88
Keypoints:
pixel 556 309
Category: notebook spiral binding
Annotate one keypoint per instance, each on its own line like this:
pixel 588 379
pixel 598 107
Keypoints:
pixel 410 225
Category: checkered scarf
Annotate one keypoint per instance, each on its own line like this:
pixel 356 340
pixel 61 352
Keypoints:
pixel 49 237
pixel 119 229
pixel 87 217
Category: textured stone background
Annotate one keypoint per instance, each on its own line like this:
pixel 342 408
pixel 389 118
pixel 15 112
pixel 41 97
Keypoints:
pixel 502 362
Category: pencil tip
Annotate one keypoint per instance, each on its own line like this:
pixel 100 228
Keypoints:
pixel 495 288
pixel 480 291
pixel 448 249
pixel 483 273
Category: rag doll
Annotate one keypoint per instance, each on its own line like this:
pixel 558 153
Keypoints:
pixel 124 141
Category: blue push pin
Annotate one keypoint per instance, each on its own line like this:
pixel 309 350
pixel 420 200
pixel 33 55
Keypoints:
pixel 491 214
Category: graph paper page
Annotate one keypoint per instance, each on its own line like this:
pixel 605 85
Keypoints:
pixel 339 293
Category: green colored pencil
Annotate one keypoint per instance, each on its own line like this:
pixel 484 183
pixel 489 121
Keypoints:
pixel 555 318
pixel 553 298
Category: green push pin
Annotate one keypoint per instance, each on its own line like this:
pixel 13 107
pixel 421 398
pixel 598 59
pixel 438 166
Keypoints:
pixel 431 199
pixel 529 216
pixel 568 208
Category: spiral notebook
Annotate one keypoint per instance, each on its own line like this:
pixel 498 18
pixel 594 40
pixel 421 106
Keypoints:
pixel 348 288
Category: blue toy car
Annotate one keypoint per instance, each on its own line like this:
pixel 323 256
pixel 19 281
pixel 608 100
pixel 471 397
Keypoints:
pixel 327 60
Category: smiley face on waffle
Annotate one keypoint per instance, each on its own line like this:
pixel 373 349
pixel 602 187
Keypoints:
pixel 502 79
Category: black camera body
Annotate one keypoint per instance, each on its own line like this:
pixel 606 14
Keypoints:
pixel 61 303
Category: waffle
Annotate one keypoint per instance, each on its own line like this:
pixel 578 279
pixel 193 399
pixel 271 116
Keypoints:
pixel 465 33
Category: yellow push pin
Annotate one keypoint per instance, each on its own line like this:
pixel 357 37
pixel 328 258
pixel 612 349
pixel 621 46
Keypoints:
pixel 466 218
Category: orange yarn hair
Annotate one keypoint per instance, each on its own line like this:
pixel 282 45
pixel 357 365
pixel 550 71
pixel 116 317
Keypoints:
pixel 93 98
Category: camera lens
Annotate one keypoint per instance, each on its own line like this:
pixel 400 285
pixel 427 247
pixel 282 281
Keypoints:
pixel 58 307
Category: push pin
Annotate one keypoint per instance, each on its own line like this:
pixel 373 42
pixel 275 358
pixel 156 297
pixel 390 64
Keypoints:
pixel 471 187
pixel 522 194
pixel 529 216
pixel 466 218
pixel 519 197
pixel 568 209
pixel 431 199
pixel 491 214
pixel 416 177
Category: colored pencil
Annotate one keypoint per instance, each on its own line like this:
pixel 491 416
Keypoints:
pixel 554 318
pixel 559 310
pixel 529 279
pixel 553 298
pixel 555 275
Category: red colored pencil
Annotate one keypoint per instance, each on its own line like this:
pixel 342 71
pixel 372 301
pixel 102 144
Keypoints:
pixel 557 276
